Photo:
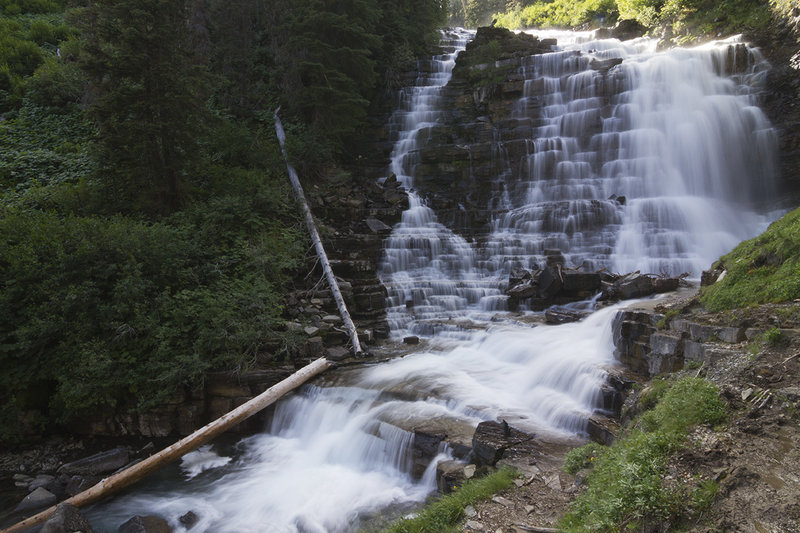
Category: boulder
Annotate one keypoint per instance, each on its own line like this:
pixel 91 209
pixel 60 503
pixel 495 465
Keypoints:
pixel 38 499
pixel 602 429
pixel 145 524
pixel 99 463
pixel 576 281
pixel 665 284
pixel 67 519
pixel 550 282
pixel 492 439
pixel 337 353
pixel 634 286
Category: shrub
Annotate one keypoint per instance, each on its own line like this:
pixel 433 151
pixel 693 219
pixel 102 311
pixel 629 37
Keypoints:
pixel 625 488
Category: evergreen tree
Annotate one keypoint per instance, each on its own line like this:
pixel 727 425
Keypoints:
pixel 333 67
pixel 147 100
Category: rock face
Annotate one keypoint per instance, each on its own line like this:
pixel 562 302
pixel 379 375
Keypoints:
pixel 648 343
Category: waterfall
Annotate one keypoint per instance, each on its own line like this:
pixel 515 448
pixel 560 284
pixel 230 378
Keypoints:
pixel 633 159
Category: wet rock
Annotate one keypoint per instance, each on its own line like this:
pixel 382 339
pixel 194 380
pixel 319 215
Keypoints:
pixel 38 499
pixel 634 286
pixel 67 519
pixel 576 281
pixel 554 257
pixel 550 282
pixel 518 275
pixel 42 480
pixel 189 520
pixel 412 339
pixel 523 289
pixel 563 315
pixel 99 463
pixel 145 524
pixel 604 65
pixel 492 439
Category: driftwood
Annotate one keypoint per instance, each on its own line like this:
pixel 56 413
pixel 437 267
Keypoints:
pixel 312 230
pixel 138 471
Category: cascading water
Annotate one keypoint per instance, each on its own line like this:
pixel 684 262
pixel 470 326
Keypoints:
pixel 635 160
pixel 340 450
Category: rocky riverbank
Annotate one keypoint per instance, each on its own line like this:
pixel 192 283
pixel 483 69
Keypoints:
pixel 752 356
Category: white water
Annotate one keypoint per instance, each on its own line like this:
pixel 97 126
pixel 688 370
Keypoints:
pixel 339 451
pixel 672 132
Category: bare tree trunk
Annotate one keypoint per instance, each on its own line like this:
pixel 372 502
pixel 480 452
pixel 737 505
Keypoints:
pixel 138 471
pixel 312 230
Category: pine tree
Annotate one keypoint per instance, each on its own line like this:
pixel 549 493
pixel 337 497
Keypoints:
pixel 333 47
pixel 148 100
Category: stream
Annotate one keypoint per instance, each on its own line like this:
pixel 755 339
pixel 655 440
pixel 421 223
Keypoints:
pixel 676 133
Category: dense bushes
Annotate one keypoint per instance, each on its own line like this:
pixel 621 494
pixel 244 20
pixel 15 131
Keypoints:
pixel 103 310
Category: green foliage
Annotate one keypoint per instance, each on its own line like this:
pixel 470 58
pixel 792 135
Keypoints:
pixel 703 495
pixel 688 19
pixel 26 42
pixel 40 147
pixel 625 483
pixel 480 12
pixel 761 270
pixel 149 101
pixel 17 7
pixel 103 310
pixel 445 512
pixel 687 402
pixel 559 13
pixel 336 57
pixel 582 457
pixel 773 336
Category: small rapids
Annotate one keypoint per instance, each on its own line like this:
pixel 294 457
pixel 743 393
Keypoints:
pixel 339 451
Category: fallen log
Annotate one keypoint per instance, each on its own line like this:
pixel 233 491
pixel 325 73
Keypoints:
pixel 143 468
pixel 312 230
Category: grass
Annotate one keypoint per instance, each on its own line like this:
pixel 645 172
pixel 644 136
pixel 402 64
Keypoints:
pixel 761 270
pixel 444 513
pixel 625 483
